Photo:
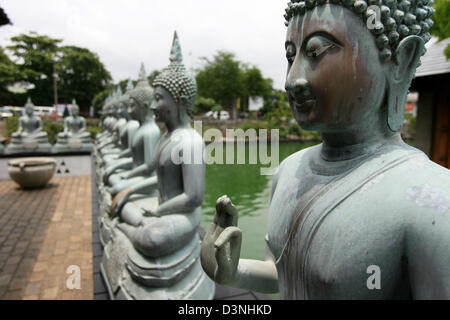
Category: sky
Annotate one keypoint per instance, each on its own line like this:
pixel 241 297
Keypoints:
pixel 126 33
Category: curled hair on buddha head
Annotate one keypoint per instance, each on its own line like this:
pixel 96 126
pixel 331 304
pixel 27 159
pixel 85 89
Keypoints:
pixel 142 93
pixel 399 19
pixel 177 80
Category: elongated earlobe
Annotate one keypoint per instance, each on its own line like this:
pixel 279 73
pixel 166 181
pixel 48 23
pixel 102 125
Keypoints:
pixel 405 61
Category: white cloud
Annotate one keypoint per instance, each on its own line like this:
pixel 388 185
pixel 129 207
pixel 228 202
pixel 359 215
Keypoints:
pixel 124 33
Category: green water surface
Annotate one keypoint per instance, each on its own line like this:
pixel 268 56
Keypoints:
pixel 250 193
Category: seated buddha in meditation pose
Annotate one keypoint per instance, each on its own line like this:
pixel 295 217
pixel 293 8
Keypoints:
pixel 74 136
pixel 362 215
pixel 29 137
pixel 154 248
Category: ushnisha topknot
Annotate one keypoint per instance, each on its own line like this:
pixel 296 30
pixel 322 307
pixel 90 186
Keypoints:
pixel 74 105
pixel 142 93
pixel 176 79
pixel 126 96
pixel 399 19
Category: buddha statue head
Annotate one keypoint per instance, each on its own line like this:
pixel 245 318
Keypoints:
pixel 115 103
pixel 174 89
pixel 75 110
pixel 351 62
pixel 29 108
pixel 124 100
pixel 140 97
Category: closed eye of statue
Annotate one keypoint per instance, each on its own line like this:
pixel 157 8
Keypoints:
pixel 317 46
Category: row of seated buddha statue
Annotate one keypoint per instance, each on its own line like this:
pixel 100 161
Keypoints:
pixel 150 205
pixel 31 139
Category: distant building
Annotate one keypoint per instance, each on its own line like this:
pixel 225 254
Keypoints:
pixel 432 82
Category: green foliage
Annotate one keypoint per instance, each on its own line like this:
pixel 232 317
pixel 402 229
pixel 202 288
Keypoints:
pixel 52 128
pixel 93 131
pixel 217 107
pixel 202 105
pixel 9 73
pixel 255 84
pixel 410 125
pixel 152 76
pixel 99 100
pixel 82 75
pixel 12 124
pixel 225 79
pixel 441 18
pixel 35 60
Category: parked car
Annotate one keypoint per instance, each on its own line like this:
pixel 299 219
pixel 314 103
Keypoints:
pixel 224 115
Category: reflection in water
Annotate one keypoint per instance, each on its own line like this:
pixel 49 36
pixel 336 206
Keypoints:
pixel 250 193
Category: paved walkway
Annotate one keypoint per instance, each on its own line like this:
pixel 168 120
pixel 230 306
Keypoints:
pixel 42 233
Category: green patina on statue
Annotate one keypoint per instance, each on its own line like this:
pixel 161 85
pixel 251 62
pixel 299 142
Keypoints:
pixel 74 138
pixel 116 122
pixel 29 138
pixel 362 200
pixel 154 248
pixel 118 175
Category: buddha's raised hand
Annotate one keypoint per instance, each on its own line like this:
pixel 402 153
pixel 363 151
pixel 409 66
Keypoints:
pixel 221 247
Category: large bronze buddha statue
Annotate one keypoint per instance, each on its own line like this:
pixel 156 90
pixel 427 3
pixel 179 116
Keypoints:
pixel 362 204
pixel 74 138
pixel 29 138
pixel 155 247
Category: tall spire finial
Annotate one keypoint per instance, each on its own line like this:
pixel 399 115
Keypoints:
pixel 119 91
pixel 29 103
pixel 129 86
pixel 175 52
pixel 142 75
pixel 74 102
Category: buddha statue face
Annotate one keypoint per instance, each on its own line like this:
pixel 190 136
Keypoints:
pixel 122 110
pixel 336 80
pixel 164 106
pixel 135 109
pixel 75 110
pixel 29 110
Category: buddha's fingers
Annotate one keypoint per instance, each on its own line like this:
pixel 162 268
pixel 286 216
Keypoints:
pixel 117 203
pixel 227 257
pixel 226 213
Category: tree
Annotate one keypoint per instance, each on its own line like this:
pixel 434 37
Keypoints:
pixel 225 79
pixel 81 75
pixel 222 79
pixel 202 105
pixel 99 100
pixel 10 74
pixel 151 77
pixel 36 58
pixel 441 26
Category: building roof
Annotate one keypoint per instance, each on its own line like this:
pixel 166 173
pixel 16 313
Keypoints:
pixel 434 61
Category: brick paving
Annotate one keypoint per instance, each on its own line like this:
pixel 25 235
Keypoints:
pixel 42 233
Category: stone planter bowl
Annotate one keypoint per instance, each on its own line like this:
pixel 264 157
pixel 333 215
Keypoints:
pixel 31 172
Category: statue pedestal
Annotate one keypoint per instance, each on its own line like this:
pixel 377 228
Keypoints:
pixel 72 145
pixel 28 147
pixel 131 276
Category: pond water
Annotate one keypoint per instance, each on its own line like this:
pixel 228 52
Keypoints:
pixel 250 193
